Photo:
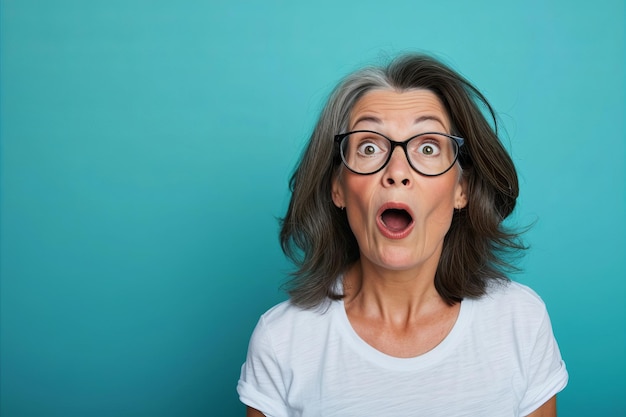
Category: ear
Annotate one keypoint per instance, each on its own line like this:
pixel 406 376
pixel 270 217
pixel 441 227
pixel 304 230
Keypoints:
pixel 337 192
pixel 460 193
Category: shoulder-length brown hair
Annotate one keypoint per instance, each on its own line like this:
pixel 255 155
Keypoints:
pixel 315 234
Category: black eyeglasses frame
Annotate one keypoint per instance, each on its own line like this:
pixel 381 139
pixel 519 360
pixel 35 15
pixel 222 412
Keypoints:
pixel 459 141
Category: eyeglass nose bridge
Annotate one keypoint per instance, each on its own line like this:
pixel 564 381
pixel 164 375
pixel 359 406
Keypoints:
pixel 392 148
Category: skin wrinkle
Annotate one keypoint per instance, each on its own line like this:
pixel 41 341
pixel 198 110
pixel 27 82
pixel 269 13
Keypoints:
pixel 399 167
pixel 393 291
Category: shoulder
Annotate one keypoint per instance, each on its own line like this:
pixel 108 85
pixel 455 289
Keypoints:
pixel 512 296
pixel 511 307
pixel 287 314
pixel 285 325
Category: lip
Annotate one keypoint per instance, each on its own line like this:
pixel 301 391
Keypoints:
pixel 389 233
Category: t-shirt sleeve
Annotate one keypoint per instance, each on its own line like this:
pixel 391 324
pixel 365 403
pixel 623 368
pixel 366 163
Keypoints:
pixel 261 383
pixel 546 373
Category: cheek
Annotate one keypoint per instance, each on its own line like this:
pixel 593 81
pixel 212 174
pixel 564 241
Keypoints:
pixel 357 191
pixel 442 199
pixel 359 198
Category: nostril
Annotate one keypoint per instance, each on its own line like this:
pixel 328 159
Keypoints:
pixel 404 182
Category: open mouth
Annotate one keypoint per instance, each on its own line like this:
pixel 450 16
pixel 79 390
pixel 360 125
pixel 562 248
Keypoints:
pixel 396 220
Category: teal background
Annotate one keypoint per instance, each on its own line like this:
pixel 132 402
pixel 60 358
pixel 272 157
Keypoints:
pixel 145 152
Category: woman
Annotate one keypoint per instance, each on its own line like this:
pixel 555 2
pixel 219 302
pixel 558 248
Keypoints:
pixel 400 305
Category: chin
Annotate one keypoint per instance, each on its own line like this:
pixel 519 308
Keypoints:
pixel 398 263
pixel 401 258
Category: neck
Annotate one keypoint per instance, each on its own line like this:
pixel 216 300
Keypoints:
pixel 390 294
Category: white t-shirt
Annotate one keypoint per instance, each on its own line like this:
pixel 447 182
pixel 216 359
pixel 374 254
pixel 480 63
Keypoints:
pixel 500 359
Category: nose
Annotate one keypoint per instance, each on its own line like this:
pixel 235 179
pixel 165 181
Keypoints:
pixel 398 170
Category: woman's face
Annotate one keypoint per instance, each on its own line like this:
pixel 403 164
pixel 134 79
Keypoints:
pixel 398 216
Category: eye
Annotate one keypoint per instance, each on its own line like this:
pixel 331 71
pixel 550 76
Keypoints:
pixel 368 149
pixel 429 149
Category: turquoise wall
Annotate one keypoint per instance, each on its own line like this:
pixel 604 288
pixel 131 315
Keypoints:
pixel 145 152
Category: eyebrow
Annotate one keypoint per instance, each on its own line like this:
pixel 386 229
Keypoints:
pixel 421 119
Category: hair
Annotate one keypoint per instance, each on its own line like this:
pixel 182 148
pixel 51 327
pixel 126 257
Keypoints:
pixel 315 234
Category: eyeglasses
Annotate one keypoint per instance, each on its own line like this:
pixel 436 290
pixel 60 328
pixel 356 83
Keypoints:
pixel 367 152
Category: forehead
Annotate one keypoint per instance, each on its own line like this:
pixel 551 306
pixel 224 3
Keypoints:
pixel 391 105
